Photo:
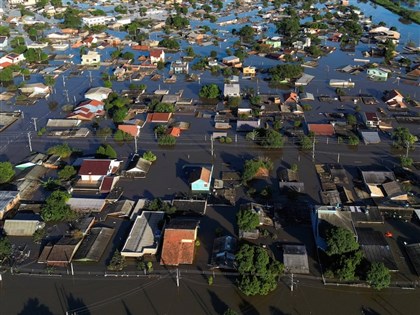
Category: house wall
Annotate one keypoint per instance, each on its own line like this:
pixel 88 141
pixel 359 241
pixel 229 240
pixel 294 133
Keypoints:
pixel 91 178
pixel 9 206
pixel 200 185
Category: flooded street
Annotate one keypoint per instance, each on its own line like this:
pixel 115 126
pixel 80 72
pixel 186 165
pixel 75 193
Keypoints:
pixel 194 296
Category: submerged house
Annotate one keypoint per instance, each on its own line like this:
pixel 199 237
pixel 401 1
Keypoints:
pixel 179 242
pixel 200 179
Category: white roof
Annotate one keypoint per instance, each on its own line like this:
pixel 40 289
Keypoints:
pixel 143 233
pixel 86 204
pixel 22 227
pixel 370 137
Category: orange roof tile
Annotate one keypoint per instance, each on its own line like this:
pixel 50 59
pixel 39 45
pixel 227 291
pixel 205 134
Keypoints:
pixel 159 117
pixel 132 130
pixel 321 129
pixel 178 247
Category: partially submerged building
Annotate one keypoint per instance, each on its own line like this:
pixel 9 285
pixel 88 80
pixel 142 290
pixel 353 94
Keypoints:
pixel 179 242
pixel 145 235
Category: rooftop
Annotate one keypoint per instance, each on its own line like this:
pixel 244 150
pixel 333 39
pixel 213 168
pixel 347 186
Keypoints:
pixel 144 234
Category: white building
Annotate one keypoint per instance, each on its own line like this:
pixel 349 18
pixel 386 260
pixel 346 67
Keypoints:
pixel 91 58
pixel 94 170
pixel 98 93
pixel 231 90
pixel 97 20
pixel 26 3
pixel 3 42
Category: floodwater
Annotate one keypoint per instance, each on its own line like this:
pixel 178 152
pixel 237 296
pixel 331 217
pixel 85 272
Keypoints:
pixel 21 295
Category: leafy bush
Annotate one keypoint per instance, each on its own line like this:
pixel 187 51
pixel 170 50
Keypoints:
pixel 167 140
pixel 149 156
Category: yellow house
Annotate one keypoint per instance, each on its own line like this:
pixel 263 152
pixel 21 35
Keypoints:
pixel 249 71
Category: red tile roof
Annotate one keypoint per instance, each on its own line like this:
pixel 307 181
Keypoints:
pixel 107 184
pixel 5 64
pixel 321 129
pixel 92 102
pixel 132 130
pixel 159 117
pixel 371 116
pixel 156 53
pixel 94 167
pixel 175 131
pixel 178 247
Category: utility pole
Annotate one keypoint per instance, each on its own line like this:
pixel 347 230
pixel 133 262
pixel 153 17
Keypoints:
pixel 135 144
pixel 67 95
pixel 64 81
pixel 338 158
pixel 177 277
pixel 29 140
pixel 407 147
pixel 90 76
pixel 291 283
pixel 212 146
pixel 35 119
pixel 313 150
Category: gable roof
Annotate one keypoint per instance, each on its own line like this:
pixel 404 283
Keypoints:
pixel 201 173
pixel 132 130
pixel 92 103
pixel 94 167
pixel 159 117
pixel 156 53
pixel 179 242
pixel 174 131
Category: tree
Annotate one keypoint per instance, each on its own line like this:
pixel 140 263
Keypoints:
pixel 209 91
pixel 120 136
pixel 35 55
pixel 4 30
pixel 247 33
pixel 403 138
pixel 149 156
pixel 62 150
pixel 258 272
pixel 167 140
pixel 234 101
pixel 346 265
pixel 255 100
pixel 354 140
pixel 164 108
pixel 117 262
pixel 294 167
pixel 127 55
pixel 6 172
pixel 351 120
pixel 253 167
pixel 49 80
pixel 119 114
pixel 72 18
pixel 106 151
pixel 169 43
pixel 56 209
pixel 286 71
pixel 306 143
pixel 190 51
pixel 5 249
pixel 406 161
pixel 158 204
pixel 230 311
pixel 269 138
pixel 289 26
pixel 378 276
pixel 67 172
pixel 247 220
pixel 340 241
